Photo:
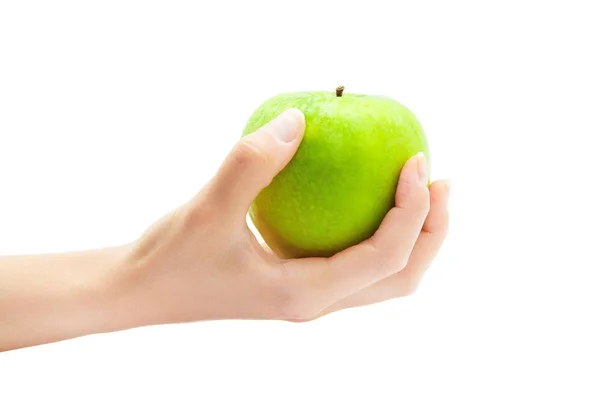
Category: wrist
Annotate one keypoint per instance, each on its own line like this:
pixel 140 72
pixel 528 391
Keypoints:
pixel 92 289
pixel 126 293
pixel 104 298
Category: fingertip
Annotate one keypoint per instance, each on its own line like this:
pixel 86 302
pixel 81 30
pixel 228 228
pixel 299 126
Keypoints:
pixel 294 122
pixel 298 114
pixel 256 159
pixel 437 219
pixel 439 191
pixel 423 169
pixel 413 181
pixel 448 186
pixel 415 171
pixel 409 172
pixel 442 186
pixel 301 119
pixel 287 127
pixel 445 186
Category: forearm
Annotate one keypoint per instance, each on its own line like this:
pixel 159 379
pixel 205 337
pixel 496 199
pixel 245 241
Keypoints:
pixel 47 298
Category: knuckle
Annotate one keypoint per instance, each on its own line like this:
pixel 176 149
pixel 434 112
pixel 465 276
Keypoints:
pixel 387 262
pixel 246 154
pixel 198 212
pixel 394 263
pixel 414 199
pixel 381 259
pixel 442 233
pixel 405 189
pixel 409 287
pixel 385 265
pixel 199 215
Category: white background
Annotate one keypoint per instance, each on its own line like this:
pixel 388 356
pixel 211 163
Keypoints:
pixel 114 112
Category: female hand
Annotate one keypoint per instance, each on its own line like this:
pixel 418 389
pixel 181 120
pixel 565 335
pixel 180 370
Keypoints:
pixel 202 261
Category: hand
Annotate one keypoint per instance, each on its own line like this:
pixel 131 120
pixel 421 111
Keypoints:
pixel 202 262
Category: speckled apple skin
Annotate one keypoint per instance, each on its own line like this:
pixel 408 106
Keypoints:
pixel 342 181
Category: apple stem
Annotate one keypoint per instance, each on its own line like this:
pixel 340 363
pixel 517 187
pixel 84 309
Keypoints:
pixel 339 90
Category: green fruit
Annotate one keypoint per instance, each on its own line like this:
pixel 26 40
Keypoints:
pixel 342 181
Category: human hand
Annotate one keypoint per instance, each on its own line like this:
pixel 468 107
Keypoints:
pixel 202 262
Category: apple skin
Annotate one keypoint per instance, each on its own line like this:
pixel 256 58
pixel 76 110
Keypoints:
pixel 340 184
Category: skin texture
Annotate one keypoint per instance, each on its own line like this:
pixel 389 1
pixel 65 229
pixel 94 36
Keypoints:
pixel 201 261
pixel 341 183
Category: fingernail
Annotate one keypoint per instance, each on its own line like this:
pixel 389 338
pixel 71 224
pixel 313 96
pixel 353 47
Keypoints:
pixel 287 125
pixel 422 169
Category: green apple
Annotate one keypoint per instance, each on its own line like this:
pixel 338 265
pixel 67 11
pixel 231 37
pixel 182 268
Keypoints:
pixel 342 181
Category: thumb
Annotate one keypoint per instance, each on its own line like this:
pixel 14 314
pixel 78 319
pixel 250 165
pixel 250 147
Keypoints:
pixel 255 160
